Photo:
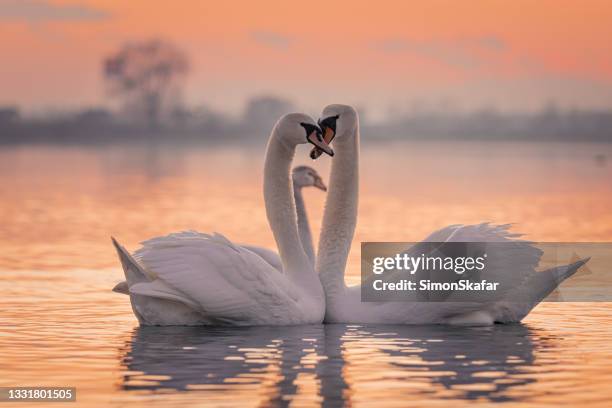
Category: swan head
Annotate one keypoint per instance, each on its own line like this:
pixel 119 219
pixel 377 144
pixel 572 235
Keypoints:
pixel 298 128
pixel 305 176
pixel 336 120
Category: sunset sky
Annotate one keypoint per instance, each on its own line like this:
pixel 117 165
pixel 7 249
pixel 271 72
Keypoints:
pixel 382 55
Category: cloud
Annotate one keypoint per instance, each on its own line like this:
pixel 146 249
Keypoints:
pixel 35 11
pixel 466 53
pixel 271 39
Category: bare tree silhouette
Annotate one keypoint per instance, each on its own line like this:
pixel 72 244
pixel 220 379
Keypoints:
pixel 148 75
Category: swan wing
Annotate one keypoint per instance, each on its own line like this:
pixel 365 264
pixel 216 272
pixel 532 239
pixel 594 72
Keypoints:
pixel 484 232
pixel 513 265
pixel 230 284
pixel 510 261
pixel 267 255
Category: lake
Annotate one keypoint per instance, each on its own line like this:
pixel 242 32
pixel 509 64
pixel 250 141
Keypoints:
pixel 62 326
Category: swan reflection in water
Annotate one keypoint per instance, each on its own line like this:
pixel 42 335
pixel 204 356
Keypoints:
pixel 342 362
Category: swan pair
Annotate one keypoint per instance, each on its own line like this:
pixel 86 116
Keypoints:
pixel 191 278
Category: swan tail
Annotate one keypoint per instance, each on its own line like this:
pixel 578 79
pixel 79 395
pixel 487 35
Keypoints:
pixel 544 283
pixel 522 300
pixel 134 273
pixel 122 287
pixel 160 290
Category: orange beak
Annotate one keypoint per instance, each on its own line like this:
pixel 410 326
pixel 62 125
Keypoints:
pixel 320 144
pixel 318 183
pixel 328 136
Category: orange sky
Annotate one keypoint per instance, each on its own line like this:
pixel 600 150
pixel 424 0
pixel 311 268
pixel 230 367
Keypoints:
pixel 381 55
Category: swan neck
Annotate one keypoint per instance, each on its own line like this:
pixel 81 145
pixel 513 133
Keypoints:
pixel 340 215
pixel 303 224
pixel 280 209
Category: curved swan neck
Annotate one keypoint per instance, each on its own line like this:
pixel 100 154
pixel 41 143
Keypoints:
pixel 303 225
pixel 280 209
pixel 340 214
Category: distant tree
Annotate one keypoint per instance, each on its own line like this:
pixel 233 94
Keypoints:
pixel 148 75
pixel 8 114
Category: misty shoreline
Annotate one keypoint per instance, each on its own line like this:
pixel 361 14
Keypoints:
pixel 101 127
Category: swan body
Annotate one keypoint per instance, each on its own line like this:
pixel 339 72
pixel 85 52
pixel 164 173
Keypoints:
pixel 191 278
pixel 344 305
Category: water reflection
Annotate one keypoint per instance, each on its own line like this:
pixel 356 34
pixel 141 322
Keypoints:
pixel 325 361
pixel 481 362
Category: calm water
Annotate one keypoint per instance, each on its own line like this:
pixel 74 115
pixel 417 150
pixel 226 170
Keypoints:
pixel 61 325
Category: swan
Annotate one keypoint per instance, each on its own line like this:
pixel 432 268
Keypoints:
pixel 191 278
pixel 343 304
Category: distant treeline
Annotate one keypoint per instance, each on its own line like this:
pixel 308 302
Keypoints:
pixel 100 126
pixel 548 124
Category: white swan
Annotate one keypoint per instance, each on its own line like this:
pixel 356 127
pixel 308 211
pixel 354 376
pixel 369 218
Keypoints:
pixel 343 304
pixel 190 278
